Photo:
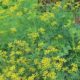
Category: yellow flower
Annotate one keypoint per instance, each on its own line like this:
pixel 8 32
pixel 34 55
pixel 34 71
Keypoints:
pixel 34 35
pixel 13 8
pixel 31 77
pixel 12 53
pixel 45 73
pixel 46 16
pixel 28 50
pixel 20 43
pixel 19 13
pixel 2 11
pixel 41 44
pixel 41 30
pixel 60 36
pixel 52 75
pixel 10 45
pixel 13 30
pixel 58 66
pixel 4 2
pixel 58 62
pixel 54 23
pixel 65 6
pixel 14 76
pixel 36 61
pixel 22 60
pixel 19 52
pixel 54 8
pixel 12 68
pixel 25 9
pixel 3 54
pixel 21 70
pixel 2 77
pixel 45 62
pixel 9 73
pixel 32 69
pixel 58 3
pixel 74 67
pixel 50 49
pixel 65 68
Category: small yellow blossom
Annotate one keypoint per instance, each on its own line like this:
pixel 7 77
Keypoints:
pixel 52 75
pixel 21 70
pixel 2 77
pixel 74 67
pixel 32 69
pixel 31 77
pixel 65 68
pixel 46 16
pixel 19 13
pixel 19 52
pixel 28 50
pixel 13 30
pixel 5 2
pixel 10 45
pixel 41 30
pixel 2 11
pixel 13 8
pixel 58 3
pixel 41 44
pixel 36 61
pixel 58 62
pixel 12 68
pixel 54 23
pixel 45 73
pixel 50 49
pixel 45 62
pixel 34 35
pixel 14 76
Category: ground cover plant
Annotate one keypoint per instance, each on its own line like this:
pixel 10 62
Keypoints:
pixel 39 41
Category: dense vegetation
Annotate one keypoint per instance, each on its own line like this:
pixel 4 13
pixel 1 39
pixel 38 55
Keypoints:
pixel 39 41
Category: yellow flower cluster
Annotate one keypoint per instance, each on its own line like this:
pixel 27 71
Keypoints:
pixel 21 66
pixel 13 30
pixel 34 35
pixel 31 77
pixel 59 36
pixel 50 75
pixel 5 2
pixel 46 16
pixel 38 54
pixel 19 13
pixel 54 23
pixel 41 45
pixel 58 62
pixel 74 68
pixel 50 49
pixel 41 30
pixel 58 4
pixel 2 11
pixel 45 62
pixel 13 8
pixel 9 8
